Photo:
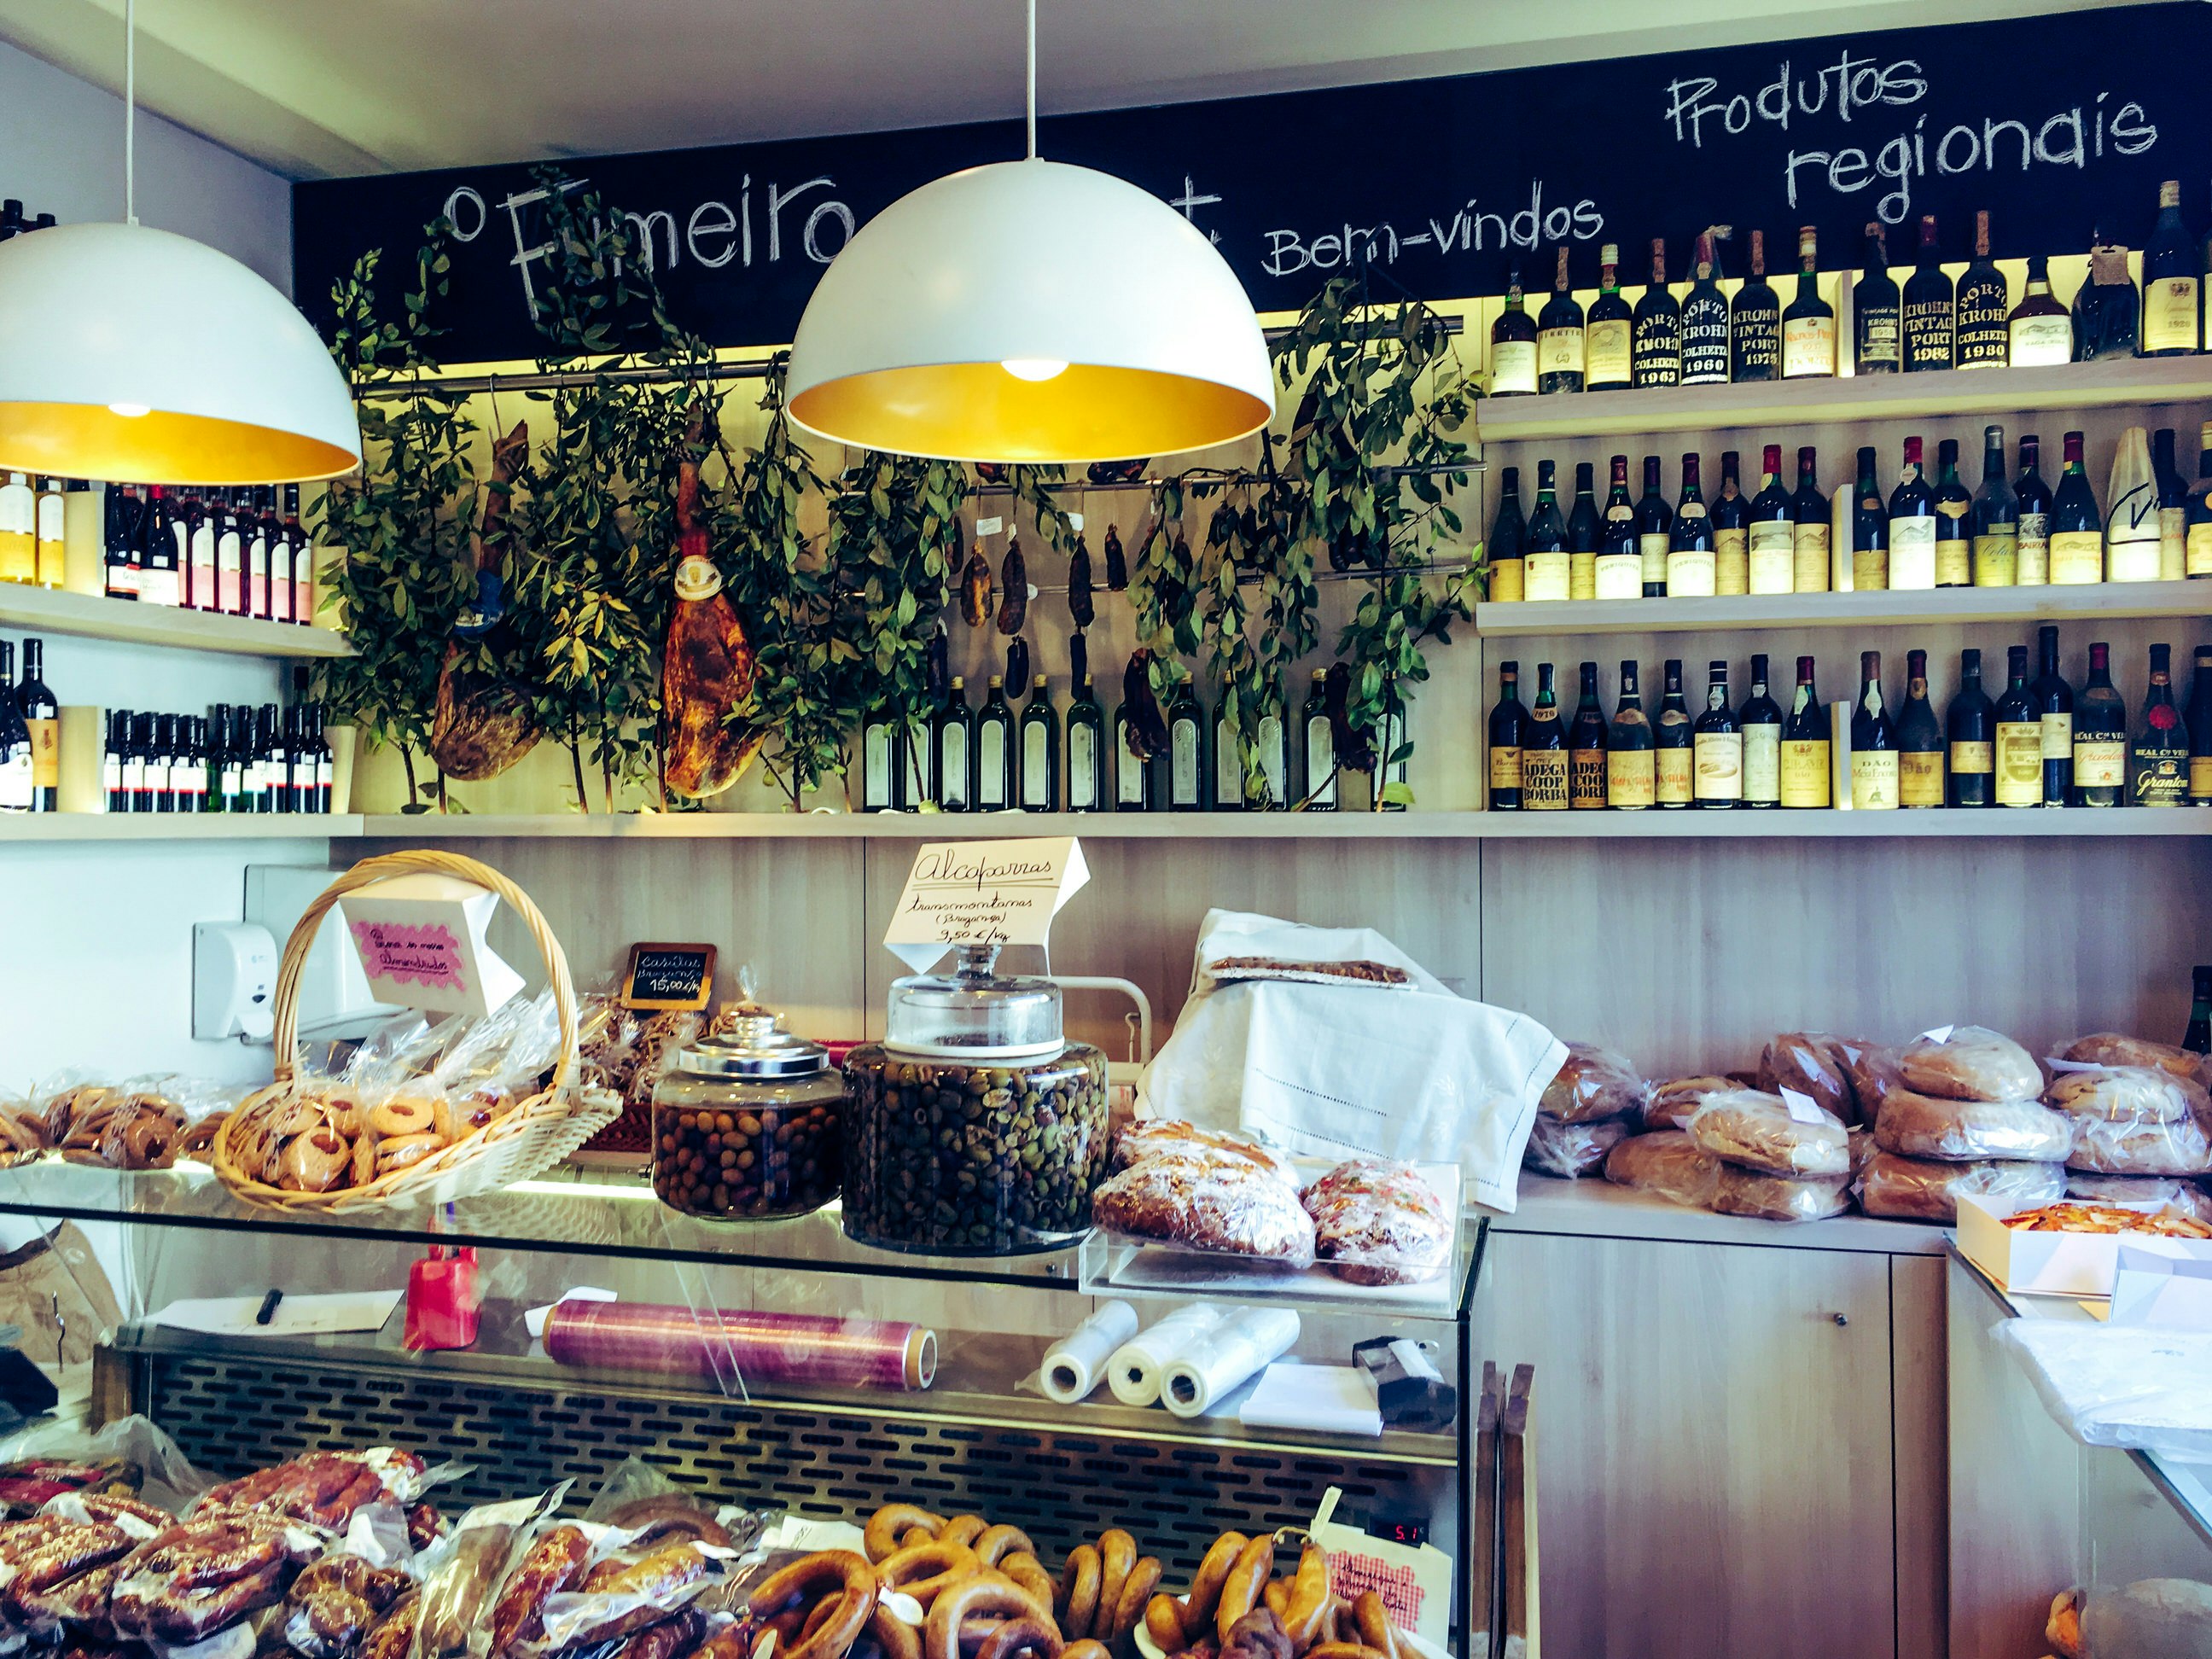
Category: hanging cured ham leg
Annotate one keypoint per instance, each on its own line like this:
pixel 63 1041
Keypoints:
pixel 484 722
pixel 707 669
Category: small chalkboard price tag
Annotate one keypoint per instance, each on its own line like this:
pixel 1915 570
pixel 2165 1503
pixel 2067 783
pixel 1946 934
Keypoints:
pixel 670 976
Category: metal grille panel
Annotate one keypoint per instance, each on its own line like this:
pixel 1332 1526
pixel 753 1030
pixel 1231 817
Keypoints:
pixel 233 1415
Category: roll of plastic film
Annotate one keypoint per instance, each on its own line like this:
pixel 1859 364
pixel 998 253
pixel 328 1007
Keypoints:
pixel 1075 1365
pixel 1198 1380
pixel 1135 1369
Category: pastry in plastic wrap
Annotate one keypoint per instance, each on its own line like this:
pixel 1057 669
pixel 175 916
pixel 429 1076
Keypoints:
pixel 1928 1189
pixel 1229 1205
pixel 1971 1063
pixel 1914 1125
pixel 1572 1150
pixel 1756 1131
pixel 1168 1137
pixel 2128 1094
pixel 1594 1085
pixel 1672 1103
pixel 2140 1149
pixel 1874 1075
pixel 1813 1064
pixel 2186 1196
pixel 2111 1049
pixel 1779 1198
pixel 1666 1163
pixel 654 1053
pixel 1377 1222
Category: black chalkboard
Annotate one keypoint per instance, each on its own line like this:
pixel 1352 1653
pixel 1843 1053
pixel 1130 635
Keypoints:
pixel 2056 124
pixel 670 976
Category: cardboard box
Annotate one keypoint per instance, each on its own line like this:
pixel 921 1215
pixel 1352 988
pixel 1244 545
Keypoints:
pixel 2058 1264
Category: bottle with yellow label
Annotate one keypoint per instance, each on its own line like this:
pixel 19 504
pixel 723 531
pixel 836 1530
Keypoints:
pixel 19 529
pixel 1993 522
pixel 1810 528
pixel 2200 730
pixel 1970 725
pixel 1513 345
pixel 1507 722
pixel 1773 531
pixel 2019 742
pixel 1690 563
pixel 1731 525
pixel 1584 531
pixel 2170 269
pixel 1544 555
pixel 1807 750
pixel 1874 741
pixel 2173 508
pixel 1674 742
pixel 2100 736
pixel 2197 528
pixel 1606 340
pixel 1954 545
pixel 2077 530
pixel 1560 336
pixel 2158 758
pixel 1870 531
pixel 1544 751
pixel 1716 746
pixel 1631 774
pixel 52 533
pixel 1509 542
pixel 1655 529
pixel 1919 740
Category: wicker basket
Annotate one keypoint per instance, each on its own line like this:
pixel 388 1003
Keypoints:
pixel 533 1136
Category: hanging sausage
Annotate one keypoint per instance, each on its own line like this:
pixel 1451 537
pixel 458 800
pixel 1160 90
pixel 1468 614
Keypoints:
pixel 1079 605
pixel 1117 567
pixel 707 667
pixel 1148 729
pixel 1013 589
pixel 975 590
pixel 484 723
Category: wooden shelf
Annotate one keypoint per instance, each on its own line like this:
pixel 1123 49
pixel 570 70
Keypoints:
pixel 1863 397
pixel 65 828
pixel 50 611
pixel 1653 826
pixel 2112 601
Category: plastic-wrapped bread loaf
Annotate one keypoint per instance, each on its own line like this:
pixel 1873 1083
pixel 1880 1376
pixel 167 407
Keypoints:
pixel 1914 1125
pixel 1926 1189
pixel 1569 1150
pixel 2111 1049
pixel 2140 1149
pixel 1376 1222
pixel 1779 1198
pixel 2128 1094
pixel 1813 1064
pixel 1971 1063
pixel 1169 1136
pixel 1227 1205
pixel 1755 1131
pixel 1666 1163
pixel 1874 1075
pixel 1593 1086
pixel 1672 1103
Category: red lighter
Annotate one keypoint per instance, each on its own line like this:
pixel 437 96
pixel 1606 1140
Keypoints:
pixel 442 1299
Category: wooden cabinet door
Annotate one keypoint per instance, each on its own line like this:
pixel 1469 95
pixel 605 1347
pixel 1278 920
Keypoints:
pixel 1715 1437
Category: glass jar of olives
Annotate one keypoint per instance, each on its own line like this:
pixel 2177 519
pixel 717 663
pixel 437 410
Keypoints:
pixel 749 1125
pixel 975 1127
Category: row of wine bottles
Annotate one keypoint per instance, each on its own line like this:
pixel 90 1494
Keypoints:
pixel 955 758
pixel 2011 532
pixel 1704 337
pixel 30 733
pixel 235 758
pixel 2037 745
pixel 219 550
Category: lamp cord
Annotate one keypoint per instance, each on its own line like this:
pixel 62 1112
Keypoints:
pixel 131 112
pixel 1032 80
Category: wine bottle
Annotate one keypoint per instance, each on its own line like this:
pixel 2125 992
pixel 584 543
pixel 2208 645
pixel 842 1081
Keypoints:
pixel 303 560
pixel 1954 546
pixel 255 521
pixel 300 760
pixel 1984 307
pixel 2158 770
pixel 1544 751
pixel 119 577
pixel 1560 354
pixel 1619 558
pixel 2100 736
pixel 1760 720
pixel 1810 529
pixel 1086 751
pixel 2197 1035
pixel 1717 745
pixel 114 744
pixel 1877 334
pixel 2077 529
pixel 325 763
pixel 2034 569
pixel 161 763
pixel 1911 526
pixel 2107 311
pixel 1630 762
pixel 1970 724
pixel 882 780
pixel 1674 742
pixel 2131 539
pixel 1919 740
pixel 275 762
pixel 1583 536
pixel 1690 562
pixel 34 701
pixel 2197 555
pixel 1755 322
pixel 1870 531
pixel 19 530
pixel 1809 325
pixel 137 753
pixel 1772 530
pixel 2170 323
pixel 1930 314
pixel 282 588
pixel 1806 746
pixel 1586 748
pixel 1039 772
pixel 1319 748
pixel 2173 508
pixel 51 530
pixel 952 748
pixel 1508 720
pixel 1513 346
pixel 161 581
pixel 233 589
pixel 1655 528
pixel 2200 730
pixel 1874 741
pixel 2040 332
pixel 18 769
pixel 242 767
pixel 1545 556
pixel 2054 707
pixel 1706 322
pixel 1607 348
pixel 1655 347
pixel 1509 535
pixel 994 749
pixel 196 525
pixel 1187 778
pixel 1731 527
pixel 1994 519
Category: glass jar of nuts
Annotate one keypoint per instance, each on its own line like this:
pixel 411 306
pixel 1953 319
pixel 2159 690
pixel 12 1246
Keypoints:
pixel 749 1125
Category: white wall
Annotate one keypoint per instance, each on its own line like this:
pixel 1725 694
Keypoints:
pixel 61 152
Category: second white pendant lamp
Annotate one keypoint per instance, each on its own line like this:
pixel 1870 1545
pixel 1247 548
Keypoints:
pixel 1030 311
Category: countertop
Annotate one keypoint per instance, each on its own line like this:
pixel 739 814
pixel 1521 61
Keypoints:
pixel 1593 1207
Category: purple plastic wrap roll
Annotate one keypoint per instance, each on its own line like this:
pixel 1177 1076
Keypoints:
pixel 809 1349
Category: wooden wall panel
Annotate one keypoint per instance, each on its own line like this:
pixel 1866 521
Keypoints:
pixel 1920 1411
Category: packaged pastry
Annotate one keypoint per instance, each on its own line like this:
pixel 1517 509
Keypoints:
pixel 2140 1149
pixel 1813 1064
pixel 1378 1223
pixel 2186 1196
pixel 1970 1063
pixel 1875 1073
pixel 1756 1131
pixel 1927 1189
pixel 2111 1049
pixel 1672 1103
pixel 2128 1094
pixel 1666 1163
pixel 1156 1137
pixel 1571 1150
pixel 1594 1085
pixel 1779 1198
pixel 1914 1125
pixel 1231 1205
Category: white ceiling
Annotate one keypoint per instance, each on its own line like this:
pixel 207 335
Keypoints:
pixel 322 88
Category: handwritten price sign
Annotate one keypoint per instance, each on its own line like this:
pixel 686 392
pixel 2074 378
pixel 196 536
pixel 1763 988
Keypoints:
pixel 983 892
pixel 420 940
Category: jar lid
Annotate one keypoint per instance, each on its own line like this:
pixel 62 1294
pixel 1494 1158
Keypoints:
pixel 755 1046
pixel 974 1012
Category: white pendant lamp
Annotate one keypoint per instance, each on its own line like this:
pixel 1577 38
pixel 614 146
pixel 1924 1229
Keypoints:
pixel 129 353
pixel 1030 311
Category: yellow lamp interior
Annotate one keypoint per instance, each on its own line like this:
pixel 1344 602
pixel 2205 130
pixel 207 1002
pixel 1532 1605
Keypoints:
pixel 981 412
pixel 90 441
